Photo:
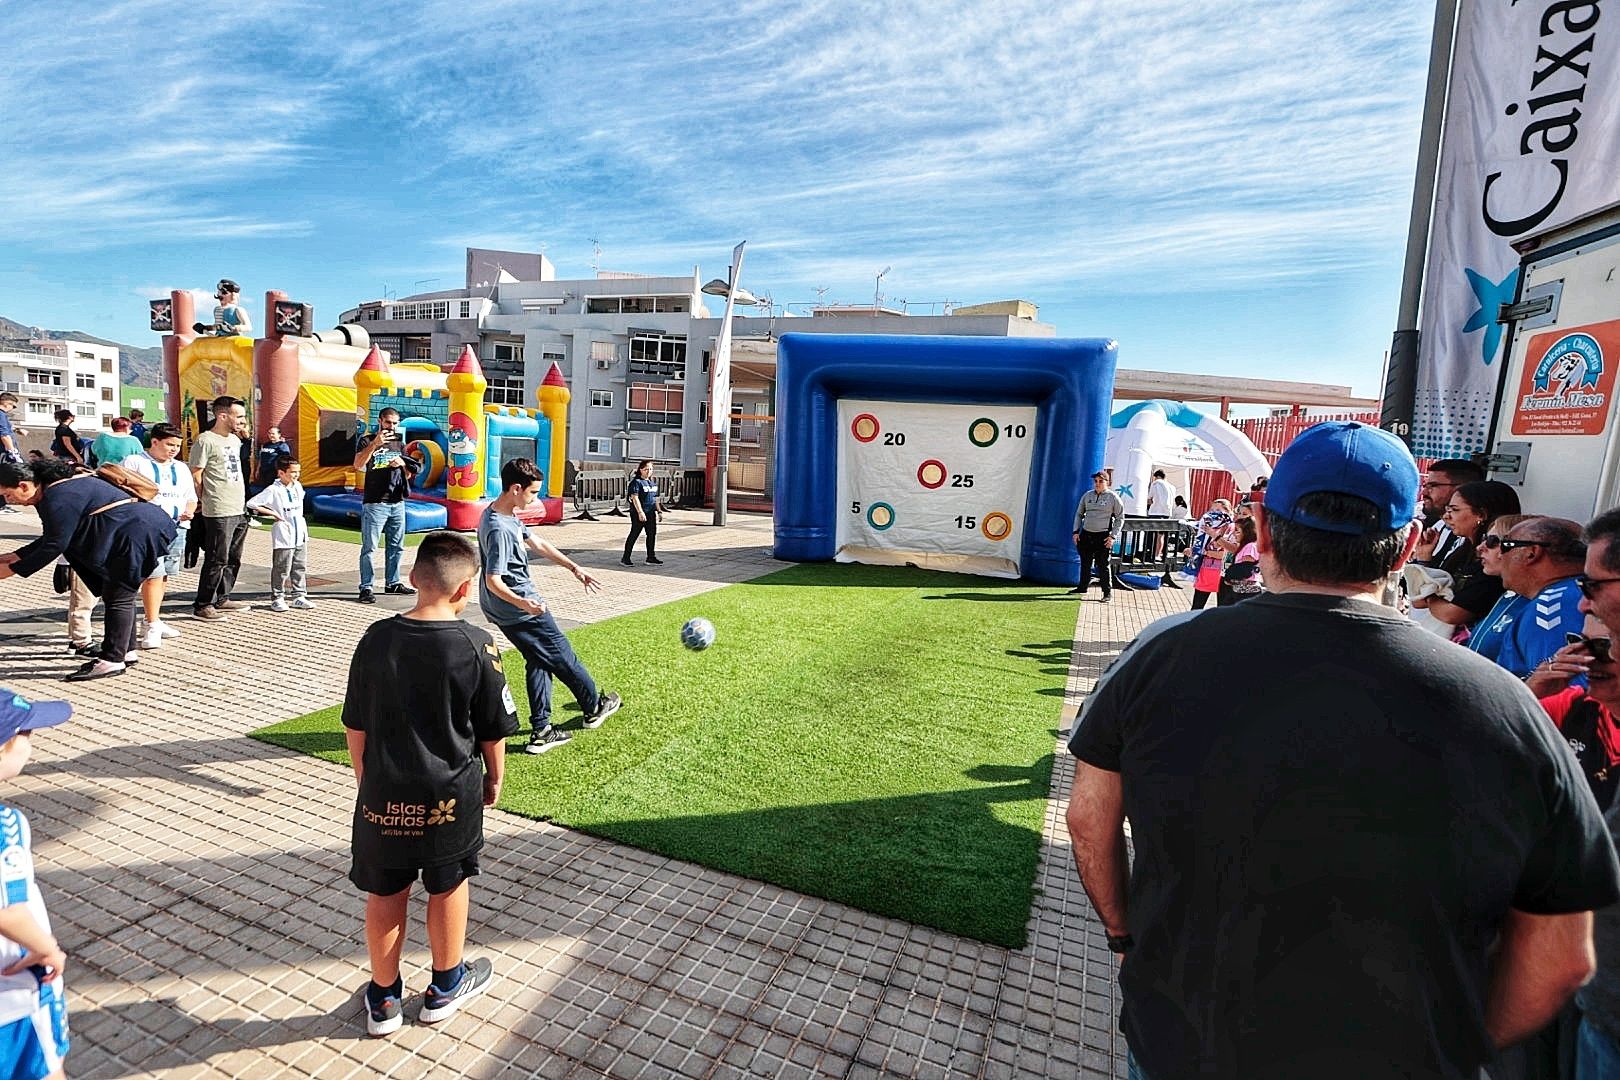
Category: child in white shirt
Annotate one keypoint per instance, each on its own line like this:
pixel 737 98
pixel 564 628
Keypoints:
pixel 289 536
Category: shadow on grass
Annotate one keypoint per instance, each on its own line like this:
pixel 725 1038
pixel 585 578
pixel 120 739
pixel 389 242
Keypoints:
pixel 942 859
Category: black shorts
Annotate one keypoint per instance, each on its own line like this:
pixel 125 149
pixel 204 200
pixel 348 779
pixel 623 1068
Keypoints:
pixel 437 879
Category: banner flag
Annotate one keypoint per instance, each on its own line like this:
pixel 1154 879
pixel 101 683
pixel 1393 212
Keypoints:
pixel 720 398
pixel 1529 143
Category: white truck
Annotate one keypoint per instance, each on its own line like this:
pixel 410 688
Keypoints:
pixel 1555 434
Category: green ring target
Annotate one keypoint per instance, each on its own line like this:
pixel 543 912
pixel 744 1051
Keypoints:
pixel 983 432
pixel 931 473
pixel 996 525
pixel 880 515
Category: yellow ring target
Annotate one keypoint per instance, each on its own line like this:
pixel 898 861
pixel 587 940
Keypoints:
pixel 996 526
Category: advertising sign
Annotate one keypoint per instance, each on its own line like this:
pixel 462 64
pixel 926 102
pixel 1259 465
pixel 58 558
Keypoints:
pixel 1568 381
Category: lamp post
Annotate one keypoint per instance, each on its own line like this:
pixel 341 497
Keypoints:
pixel 720 375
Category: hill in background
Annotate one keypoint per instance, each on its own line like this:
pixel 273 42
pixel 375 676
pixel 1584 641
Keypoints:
pixel 136 366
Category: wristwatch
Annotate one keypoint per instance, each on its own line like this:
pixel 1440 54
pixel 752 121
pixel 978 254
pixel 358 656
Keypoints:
pixel 1120 943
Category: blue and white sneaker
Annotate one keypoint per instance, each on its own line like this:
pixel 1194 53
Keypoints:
pixel 383 1017
pixel 438 1005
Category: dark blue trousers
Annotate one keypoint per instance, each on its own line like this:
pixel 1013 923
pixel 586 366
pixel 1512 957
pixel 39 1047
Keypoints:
pixel 546 652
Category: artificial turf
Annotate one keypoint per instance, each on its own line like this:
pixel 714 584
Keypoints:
pixel 352 536
pixel 879 736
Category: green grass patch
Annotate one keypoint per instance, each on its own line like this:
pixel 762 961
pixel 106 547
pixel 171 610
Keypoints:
pixel 352 536
pixel 874 735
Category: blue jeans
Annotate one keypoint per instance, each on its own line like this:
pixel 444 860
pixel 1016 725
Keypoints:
pixel 1597 1054
pixel 546 652
pixel 387 521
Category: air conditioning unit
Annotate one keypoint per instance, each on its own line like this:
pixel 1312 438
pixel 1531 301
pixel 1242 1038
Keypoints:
pixel 603 363
pixel 680 373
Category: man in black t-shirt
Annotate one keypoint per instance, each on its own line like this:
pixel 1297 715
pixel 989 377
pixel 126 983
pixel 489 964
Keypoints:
pixel 426 716
pixel 387 469
pixel 1378 860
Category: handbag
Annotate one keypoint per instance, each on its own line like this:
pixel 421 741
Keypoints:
pixel 1209 578
pixel 1243 578
pixel 128 481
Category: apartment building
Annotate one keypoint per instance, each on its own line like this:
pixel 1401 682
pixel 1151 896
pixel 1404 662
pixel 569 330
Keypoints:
pixel 634 348
pixel 48 375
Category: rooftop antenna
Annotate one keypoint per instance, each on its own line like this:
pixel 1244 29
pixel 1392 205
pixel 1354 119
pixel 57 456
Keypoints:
pixel 596 256
pixel 821 295
pixel 877 290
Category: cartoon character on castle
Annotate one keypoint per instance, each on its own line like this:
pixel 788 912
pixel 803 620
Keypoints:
pixel 463 452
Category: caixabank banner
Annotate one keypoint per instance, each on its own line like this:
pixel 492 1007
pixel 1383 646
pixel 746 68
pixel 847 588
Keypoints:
pixel 1568 383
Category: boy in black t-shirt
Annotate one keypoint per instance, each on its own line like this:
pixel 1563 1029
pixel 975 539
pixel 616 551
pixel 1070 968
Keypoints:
pixel 427 699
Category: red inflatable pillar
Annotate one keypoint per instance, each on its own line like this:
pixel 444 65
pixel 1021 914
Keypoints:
pixel 184 314
pixel 275 378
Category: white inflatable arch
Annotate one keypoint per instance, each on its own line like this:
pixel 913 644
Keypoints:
pixel 1170 435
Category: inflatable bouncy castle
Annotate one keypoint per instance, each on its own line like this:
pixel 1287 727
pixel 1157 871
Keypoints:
pixel 324 390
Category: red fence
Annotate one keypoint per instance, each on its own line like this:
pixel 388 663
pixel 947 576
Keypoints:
pixel 1271 435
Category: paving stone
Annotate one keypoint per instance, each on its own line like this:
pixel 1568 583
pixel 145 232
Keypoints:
pixel 197 878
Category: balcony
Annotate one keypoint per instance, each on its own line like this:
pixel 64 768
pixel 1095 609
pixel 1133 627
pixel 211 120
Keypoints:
pixel 29 358
pixel 35 390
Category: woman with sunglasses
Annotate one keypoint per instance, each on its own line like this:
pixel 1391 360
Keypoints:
pixel 1469 513
pixel 1488 634
pixel 1586 715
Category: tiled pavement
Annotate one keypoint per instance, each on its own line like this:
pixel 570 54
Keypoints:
pixel 196 878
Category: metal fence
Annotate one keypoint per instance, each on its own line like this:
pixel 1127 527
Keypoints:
pixel 1155 547
pixel 599 488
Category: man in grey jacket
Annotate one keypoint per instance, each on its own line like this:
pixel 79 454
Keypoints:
pixel 1096 527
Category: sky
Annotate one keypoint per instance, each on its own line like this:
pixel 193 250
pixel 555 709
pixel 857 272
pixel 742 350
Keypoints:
pixel 1222 188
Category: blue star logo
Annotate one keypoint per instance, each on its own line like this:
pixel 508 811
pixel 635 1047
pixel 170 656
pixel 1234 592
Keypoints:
pixel 1192 446
pixel 1124 490
pixel 1491 297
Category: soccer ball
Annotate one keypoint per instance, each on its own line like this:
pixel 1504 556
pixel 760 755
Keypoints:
pixel 697 634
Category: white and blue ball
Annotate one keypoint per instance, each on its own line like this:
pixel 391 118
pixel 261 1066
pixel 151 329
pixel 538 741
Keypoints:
pixel 697 634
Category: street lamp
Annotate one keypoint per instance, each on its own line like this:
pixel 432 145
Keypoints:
pixel 720 374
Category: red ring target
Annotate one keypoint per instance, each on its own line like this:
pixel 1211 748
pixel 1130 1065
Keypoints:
pixel 931 474
pixel 865 427
pixel 996 526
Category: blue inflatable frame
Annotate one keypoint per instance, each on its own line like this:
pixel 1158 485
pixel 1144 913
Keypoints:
pixel 1070 381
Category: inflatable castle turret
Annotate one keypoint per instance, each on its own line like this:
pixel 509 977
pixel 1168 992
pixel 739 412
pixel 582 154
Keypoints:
pixel 468 438
pixel 554 397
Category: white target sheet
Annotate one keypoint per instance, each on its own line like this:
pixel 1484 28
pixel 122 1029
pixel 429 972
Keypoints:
pixel 939 486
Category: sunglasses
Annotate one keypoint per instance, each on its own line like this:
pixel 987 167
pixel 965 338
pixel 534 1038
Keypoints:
pixel 1600 647
pixel 1493 542
pixel 1589 585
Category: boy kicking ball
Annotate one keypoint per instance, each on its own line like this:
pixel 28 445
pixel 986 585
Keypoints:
pixel 426 715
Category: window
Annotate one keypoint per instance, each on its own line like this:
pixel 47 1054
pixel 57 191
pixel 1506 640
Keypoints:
pixel 77 355
pixel 40 408
pixel 603 350
pixel 106 420
pixel 465 308
pixel 703 412
pixel 84 380
pixel 84 408
pixel 504 392
pixel 597 446
pixel 601 399
pixel 418 349
pixel 514 447
pixel 44 378
pixel 509 351
pixel 553 354
pixel 106 367
pixel 652 403
pixel 706 355
pixel 654 354
pixel 420 309
pixel 106 393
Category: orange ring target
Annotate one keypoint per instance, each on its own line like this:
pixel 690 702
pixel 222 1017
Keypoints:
pixel 931 473
pixel 865 427
pixel 996 526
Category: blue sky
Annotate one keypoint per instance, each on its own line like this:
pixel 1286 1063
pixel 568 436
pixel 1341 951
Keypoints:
pixel 1222 187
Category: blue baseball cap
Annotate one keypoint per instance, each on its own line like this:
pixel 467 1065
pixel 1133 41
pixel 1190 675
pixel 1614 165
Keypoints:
pixel 1346 458
pixel 17 713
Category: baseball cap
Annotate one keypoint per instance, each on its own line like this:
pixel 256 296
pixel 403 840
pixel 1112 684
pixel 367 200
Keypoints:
pixel 17 713
pixel 1346 458
pixel 1100 472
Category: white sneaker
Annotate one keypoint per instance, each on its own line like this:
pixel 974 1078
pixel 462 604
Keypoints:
pixel 153 638
pixel 303 603
pixel 168 631
pixel 131 659
pixel 278 604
